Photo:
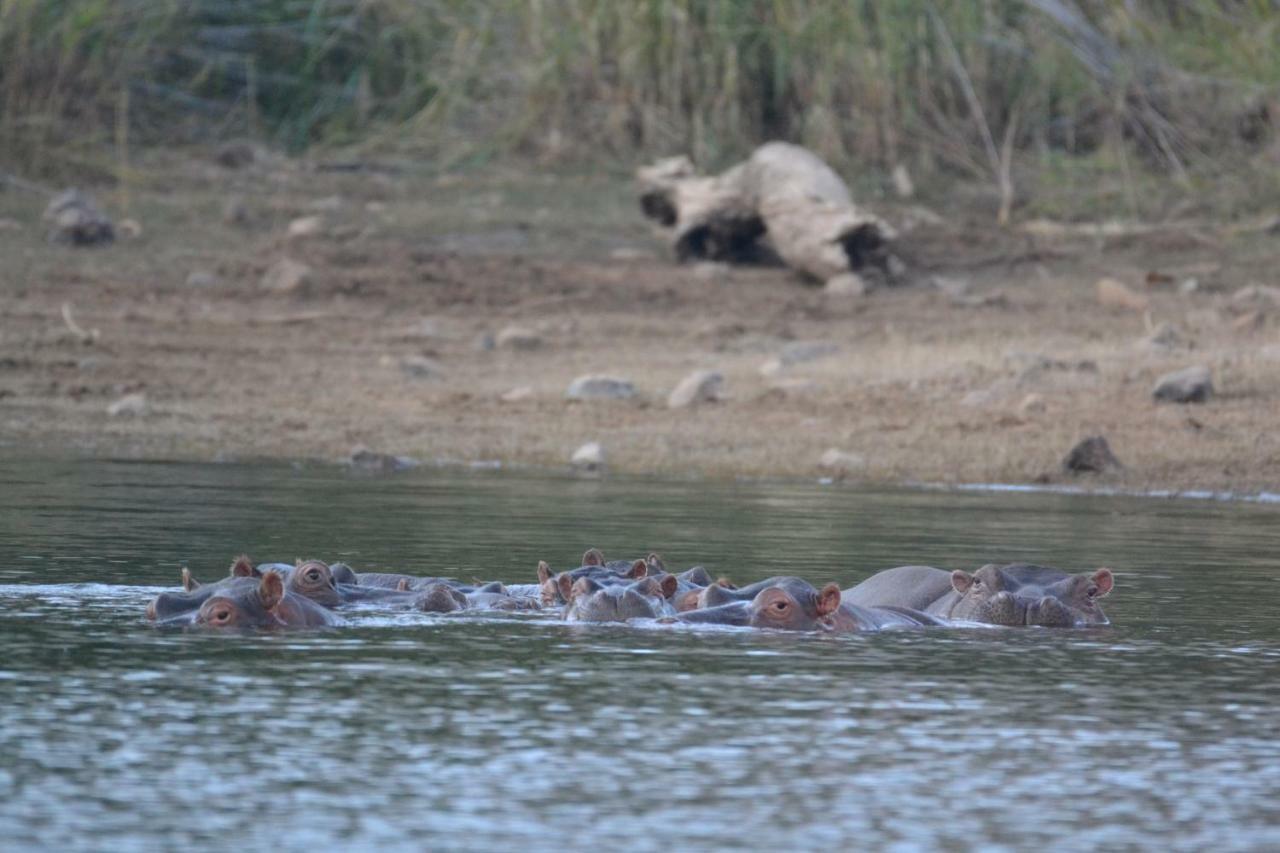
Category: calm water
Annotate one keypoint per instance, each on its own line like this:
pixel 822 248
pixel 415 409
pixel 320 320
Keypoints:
pixel 455 732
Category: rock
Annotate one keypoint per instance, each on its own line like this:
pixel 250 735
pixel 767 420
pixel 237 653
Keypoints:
pixel 588 457
pixel 286 275
pixel 701 386
pixel 1249 322
pixel 235 155
pixel 305 226
pixel 846 284
pixel 77 221
pixel 1116 294
pixel 235 211
pixel 596 387
pixel 420 367
pixel 798 352
pixel 518 394
pixel 364 459
pixel 130 229
pixel 201 278
pixel 518 338
pixel 131 405
pixel 1032 404
pixel 956 288
pixel 1255 295
pixel 1189 385
pixel 1093 455
pixel 711 271
pixel 1189 286
pixel 841 462
pixel 902 183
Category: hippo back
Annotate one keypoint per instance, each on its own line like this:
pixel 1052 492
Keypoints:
pixel 919 588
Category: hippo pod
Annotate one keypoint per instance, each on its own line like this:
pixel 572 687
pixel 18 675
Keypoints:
pixel 555 588
pixel 793 604
pixel 241 602
pixel 444 598
pixel 593 601
pixel 1018 594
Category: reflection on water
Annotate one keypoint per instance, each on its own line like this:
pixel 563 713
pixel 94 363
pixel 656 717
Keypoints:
pixel 446 732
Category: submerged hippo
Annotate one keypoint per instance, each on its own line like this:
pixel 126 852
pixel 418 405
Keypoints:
pixel 443 598
pixel 647 598
pixel 264 603
pixel 171 606
pixel 689 583
pixel 1016 594
pixel 554 587
pixel 792 604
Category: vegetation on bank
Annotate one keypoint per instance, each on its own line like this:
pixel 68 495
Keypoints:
pixel 1130 103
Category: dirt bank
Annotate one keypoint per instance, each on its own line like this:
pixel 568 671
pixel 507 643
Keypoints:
pixel 384 344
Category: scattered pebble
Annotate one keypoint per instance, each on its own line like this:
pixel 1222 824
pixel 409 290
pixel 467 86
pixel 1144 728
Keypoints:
pixel 420 367
pixel 1113 293
pixel 518 394
pixel 305 226
pixel 77 221
pixel 485 342
pixel 130 229
pixel 286 275
pixel 596 387
pixel 701 386
pixel 1092 455
pixel 1165 336
pixel 1189 385
pixel 518 338
pixel 235 211
pixel 235 155
pixel 846 284
pixel 588 457
pixel 131 405
pixel 798 352
pixel 902 183
pixel 956 288
pixel 1032 404
pixel 201 278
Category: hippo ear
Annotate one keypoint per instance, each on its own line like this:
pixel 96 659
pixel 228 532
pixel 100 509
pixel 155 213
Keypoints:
pixel 961 581
pixel 403 586
pixel 655 564
pixel 669 585
pixel 271 590
pixel 243 568
pixel 726 583
pixel 544 571
pixel 638 569
pixel 189 583
pixel 828 599
pixel 593 557
pixel 565 584
pixel 583 586
pixel 1104 581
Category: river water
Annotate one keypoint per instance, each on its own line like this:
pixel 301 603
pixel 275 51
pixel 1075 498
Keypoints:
pixel 523 733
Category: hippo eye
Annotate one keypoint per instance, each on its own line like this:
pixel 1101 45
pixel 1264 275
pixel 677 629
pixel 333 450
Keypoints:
pixel 313 575
pixel 1092 592
pixel 779 605
pixel 222 615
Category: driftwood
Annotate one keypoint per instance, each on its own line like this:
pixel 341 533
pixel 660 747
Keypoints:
pixel 782 202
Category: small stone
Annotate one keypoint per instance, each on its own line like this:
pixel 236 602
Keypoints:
pixel 364 459
pixel 846 284
pixel 595 387
pixel 518 394
pixel 1116 294
pixel 1032 404
pixel 802 351
pixel 286 275
pixel 485 342
pixel 956 288
pixel 841 462
pixel 1092 455
pixel 701 386
pixel 711 271
pixel 201 278
pixel 629 253
pixel 235 155
pixel 1189 385
pixel 588 457
pixel 130 229
pixel 305 226
pixel 420 367
pixel 1189 286
pixel 902 183
pixel 235 211
pixel 1164 337
pixel 1255 295
pixel 1250 322
pixel 518 338
pixel 131 405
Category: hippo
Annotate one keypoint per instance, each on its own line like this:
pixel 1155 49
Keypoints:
pixel 261 603
pixel 392 580
pixel 182 606
pixel 689 583
pixel 792 604
pixel 592 601
pixel 1012 595
pixel 713 595
pixel 554 588
pixel 444 598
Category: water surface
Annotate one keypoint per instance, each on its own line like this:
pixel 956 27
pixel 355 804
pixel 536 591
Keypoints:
pixel 457 732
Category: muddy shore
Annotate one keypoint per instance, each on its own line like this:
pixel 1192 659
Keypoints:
pixel 987 366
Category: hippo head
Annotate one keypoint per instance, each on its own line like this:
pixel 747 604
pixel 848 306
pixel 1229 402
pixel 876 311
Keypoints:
pixel 439 598
pixel 181 606
pixel 592 601
pixel 244 604
pixel 794 606
pixel 593 557
pixel 314 580
pixel 1023 594
pixel 783 604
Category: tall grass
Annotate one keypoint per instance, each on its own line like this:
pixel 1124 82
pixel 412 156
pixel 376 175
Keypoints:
pixel 970 87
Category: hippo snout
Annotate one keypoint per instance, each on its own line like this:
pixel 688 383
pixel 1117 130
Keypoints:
pixel 1049 612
